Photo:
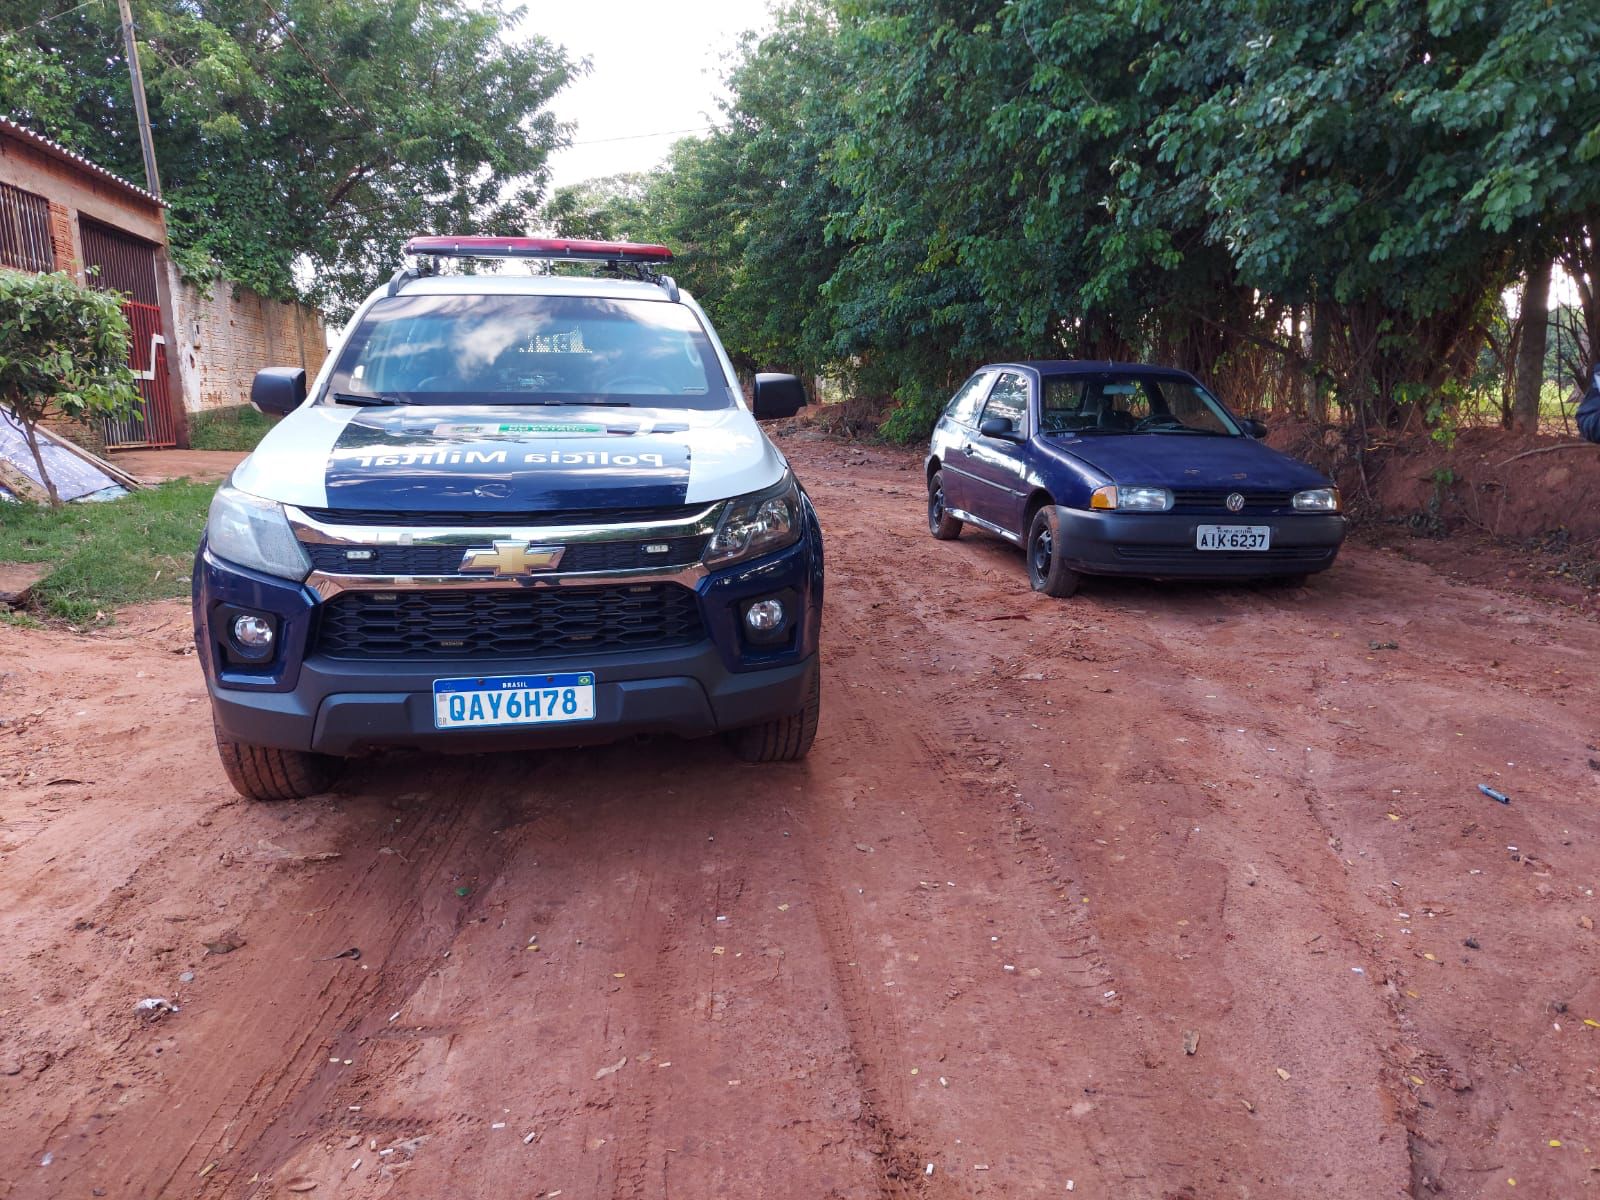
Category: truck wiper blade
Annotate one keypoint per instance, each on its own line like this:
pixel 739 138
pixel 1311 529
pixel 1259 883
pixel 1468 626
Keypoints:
pixel 574 403
pixel 362 400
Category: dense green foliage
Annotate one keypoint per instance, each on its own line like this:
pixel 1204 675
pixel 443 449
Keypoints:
pixel 1307 202
pixel 104 554
pixel 63 352
pixel 309 132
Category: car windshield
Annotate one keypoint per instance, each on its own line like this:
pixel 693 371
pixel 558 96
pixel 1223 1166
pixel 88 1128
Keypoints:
pixel 490 349
pixel 1128 403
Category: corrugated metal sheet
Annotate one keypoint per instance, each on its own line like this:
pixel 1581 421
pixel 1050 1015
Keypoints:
pixel 120 262
pixel 25 230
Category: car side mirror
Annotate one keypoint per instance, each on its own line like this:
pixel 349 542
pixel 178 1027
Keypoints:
pixel 776 397
pixel 997 427
pixel 278 390
pixel 1255 428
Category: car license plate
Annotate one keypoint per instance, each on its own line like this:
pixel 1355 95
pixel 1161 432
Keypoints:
pixel 512 700
pixel 1233 537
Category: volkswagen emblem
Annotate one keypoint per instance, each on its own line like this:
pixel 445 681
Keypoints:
pixel 1235 502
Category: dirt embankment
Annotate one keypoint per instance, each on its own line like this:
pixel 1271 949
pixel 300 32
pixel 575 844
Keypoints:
pixel 1159 893
pixel 1513 508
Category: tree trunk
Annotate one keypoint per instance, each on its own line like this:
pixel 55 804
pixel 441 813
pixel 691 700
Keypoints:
pixel 1317 396
pixel 32 439
pixel 1534 316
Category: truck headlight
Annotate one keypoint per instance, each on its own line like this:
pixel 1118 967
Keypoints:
pixel 1323 499
pixel 756 524
pixel 254 533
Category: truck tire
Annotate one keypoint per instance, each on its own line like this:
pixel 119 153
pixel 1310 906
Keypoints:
pixel 1047 568
pixel 268 773
pixel 788 739
pixel 940 523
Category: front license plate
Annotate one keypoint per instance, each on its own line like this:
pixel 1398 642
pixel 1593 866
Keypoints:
pixel 1233 537
pixel 512 700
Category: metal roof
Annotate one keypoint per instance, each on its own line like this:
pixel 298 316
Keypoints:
pixel 57 151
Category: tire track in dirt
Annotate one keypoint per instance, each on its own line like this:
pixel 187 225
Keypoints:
pixel 1179 795
pixel 938 731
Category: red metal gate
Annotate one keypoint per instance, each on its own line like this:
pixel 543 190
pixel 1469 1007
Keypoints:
pixel 118 261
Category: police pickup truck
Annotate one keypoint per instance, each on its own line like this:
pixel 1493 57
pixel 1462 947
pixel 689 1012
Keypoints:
pixel 513 510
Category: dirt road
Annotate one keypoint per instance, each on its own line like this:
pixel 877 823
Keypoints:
pixel 1159 892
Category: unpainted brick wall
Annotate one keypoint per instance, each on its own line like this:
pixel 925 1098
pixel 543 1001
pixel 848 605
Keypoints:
pixel 61 239
pixel 225 339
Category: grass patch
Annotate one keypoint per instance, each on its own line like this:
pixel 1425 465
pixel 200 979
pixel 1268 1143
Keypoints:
pixel 236 428
pixel 124 551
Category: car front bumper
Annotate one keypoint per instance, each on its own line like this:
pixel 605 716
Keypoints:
pixel 345 708
pixel 1162 545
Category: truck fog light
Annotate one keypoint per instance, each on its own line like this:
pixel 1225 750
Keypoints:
pixel 252 635
pixel 765 616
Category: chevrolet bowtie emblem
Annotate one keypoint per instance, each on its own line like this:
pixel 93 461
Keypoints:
pixel 512 558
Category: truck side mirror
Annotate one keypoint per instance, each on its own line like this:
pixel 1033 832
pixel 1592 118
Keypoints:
pixel 277 391
pixel 776 397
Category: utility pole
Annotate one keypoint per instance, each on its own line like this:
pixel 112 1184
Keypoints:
pixel 152 179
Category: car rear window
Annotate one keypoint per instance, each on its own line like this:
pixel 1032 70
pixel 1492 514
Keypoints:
pixel 532 350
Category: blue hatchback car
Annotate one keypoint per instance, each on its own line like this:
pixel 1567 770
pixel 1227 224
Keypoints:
pixel 1102 468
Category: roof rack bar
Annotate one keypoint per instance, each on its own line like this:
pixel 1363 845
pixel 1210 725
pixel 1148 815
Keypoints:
pixel 545 248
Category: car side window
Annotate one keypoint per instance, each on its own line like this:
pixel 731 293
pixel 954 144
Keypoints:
pixel 963 406
pixel 1009 402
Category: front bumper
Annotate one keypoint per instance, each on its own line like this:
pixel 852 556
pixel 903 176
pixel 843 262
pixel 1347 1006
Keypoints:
pixel 304 700
pixel 346 708
pixel 1162 545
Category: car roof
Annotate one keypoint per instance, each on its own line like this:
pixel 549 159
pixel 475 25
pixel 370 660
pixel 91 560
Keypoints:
pixel 519 284
pixel 1088 366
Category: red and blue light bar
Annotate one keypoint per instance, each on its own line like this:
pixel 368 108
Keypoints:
pixel 576 249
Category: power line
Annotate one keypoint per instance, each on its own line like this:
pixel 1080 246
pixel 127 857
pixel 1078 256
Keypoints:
pixel 288 30
pixel 55 17
pixel 635 137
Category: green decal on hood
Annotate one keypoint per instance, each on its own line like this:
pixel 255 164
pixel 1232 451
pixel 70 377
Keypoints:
pixel 572 427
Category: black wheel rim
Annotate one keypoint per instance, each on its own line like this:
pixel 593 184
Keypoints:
pixel 935 507
pixel 1043 547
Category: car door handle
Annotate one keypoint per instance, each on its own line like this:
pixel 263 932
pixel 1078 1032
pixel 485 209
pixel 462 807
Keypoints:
pixel 967 449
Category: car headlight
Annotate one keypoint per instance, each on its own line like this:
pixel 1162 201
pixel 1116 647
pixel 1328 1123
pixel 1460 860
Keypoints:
pixel 254 533
pixel 1323 499
pixel 756 524
pixel 1131 499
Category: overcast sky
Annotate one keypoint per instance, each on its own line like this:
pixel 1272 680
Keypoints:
pixel 657 68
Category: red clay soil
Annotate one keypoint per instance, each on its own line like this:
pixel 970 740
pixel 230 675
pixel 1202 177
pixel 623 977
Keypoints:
pixel 158 466
pixel 1158 892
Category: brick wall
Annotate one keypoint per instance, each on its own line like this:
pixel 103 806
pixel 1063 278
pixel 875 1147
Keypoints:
pixel 225 339
pixel 62 241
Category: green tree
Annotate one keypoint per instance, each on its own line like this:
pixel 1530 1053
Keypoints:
pixel 617 208
pixel 302 138
pixel 63 351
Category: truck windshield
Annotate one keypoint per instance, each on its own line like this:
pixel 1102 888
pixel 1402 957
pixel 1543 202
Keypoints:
pixel 491 349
